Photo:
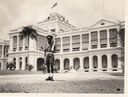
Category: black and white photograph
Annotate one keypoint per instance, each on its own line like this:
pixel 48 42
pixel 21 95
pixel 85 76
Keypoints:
pixel 62 47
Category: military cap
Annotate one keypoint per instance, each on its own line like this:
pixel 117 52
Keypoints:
pixel 49 37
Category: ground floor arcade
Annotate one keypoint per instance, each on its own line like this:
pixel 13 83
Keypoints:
pixel 90 63
pixel 101 60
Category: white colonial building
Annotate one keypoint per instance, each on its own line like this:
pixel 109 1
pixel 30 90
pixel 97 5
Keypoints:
pixel 4 46
pixel 95 48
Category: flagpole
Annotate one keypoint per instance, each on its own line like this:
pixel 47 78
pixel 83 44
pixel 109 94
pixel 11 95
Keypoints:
pixel 103 9
pixel 55 7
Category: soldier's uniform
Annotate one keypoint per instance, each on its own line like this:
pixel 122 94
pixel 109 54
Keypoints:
pixel 49 55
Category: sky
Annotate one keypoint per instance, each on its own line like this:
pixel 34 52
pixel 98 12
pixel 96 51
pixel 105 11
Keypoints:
pixel 80 13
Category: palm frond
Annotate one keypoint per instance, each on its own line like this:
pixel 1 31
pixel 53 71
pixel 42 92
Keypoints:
pixel 29 31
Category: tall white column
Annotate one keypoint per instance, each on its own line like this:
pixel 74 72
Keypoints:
pixel 61 45
pixel 118 40
pixel 90 63
pixel 23 63
pixel 89 41
pixel 17 43
pixel 35 63
pixel 11 44
pixel 23 44
pixel 72 65
pixel 98 34
pixel 80 42
pixel 31 61
pixel 32 44
pixel 108 40
pixel 81 63
pixel 70 43
pixel 99 63
pixel 61 65
pixel 17 63
pixel 119 63
pixel 71 62
pixel 2 65
pixel 109 62
pixel 2 54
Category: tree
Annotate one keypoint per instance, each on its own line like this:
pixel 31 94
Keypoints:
pixel 120 41
pixel 28 32
pixel 121 34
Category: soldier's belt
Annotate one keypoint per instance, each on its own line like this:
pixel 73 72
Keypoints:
pixel 49 52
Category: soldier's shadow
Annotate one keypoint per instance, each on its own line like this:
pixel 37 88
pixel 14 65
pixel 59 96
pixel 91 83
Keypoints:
pixel 56 80
pixel 59 80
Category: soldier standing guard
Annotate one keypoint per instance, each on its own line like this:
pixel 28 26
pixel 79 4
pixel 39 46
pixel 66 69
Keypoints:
pixel 49 57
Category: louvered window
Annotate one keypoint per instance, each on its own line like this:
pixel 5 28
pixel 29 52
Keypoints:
pixel 94 40
pixel 103 38
pixel 85 41
pixel 14 43
pixel 113 37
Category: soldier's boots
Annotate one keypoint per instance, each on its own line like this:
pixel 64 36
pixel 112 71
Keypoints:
pixel 49 79
pixel 52 79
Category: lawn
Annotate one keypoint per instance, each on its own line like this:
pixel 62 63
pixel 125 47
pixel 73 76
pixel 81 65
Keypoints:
pixel 18 72
pixel 34 82
pixel 90 86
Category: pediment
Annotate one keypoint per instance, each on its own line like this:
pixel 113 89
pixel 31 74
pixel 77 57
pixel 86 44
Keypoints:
pixel 103 23
pixel 17 30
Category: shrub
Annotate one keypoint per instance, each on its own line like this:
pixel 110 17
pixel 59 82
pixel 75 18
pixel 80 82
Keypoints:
pixel 11 66
pixel 29 67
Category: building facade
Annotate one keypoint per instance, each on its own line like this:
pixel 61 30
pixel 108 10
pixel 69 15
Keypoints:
pixel 95 48
pixel 4 46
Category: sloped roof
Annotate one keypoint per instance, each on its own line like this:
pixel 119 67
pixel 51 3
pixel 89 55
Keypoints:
pixel 54 17
pixel 1 40
pixel 39 30
pixel 102 23
pixel 4 41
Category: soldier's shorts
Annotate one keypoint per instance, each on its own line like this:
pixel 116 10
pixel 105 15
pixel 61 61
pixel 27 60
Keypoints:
pixel 50 62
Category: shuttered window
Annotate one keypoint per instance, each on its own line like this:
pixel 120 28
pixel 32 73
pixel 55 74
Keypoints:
pixel 94 39
pixel 113 37
pixel 94 36
pixel 41 41
pixel 85 38
pixel 85 41
pixel 57 46
pixel 26 43
pixel 20 43
pixel 76 42
pixel 14 43
pixel 66 44
pixel 103 38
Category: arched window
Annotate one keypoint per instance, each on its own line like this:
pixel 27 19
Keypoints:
pixel 104 62
pixel 20 63
pixel 76 65
pixel 40 62
pixel 114 61
pixel 86 63
pixel 66 64
pixel 57 64
pixel 95 62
